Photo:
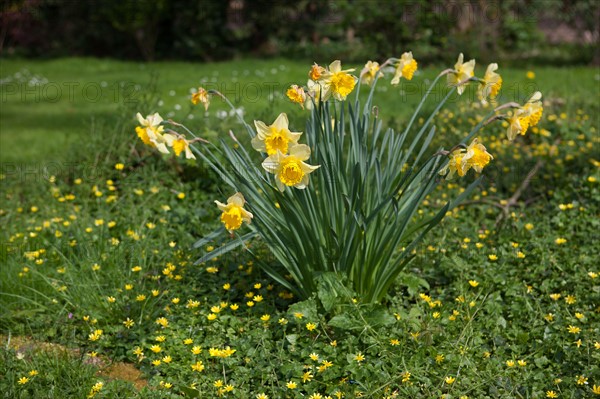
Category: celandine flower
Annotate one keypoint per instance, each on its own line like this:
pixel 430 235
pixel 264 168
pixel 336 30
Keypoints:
pixel 276 137
pixel 490 85
pixel 462 71
pixel 234 213
pixel 405 68
pixel 290 170
pixel 337 82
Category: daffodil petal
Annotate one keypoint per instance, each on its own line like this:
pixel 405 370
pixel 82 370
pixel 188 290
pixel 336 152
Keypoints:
pixel 281 123
pixel 300 151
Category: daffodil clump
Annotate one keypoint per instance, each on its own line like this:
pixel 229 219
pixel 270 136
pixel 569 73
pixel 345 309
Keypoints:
pixel 342 197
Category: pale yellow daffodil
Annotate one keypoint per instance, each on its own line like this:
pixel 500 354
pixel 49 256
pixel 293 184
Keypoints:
pixel 316 71
pixel 533 107
pixel 518 123
pixel 336 82
pixel 313 94
pixel 461 160
pixel 490 85
pixel 477 156
pixel 370 71
pixel 276 137
pixel 290 170
pixel 234 213
pixel 296 95
pixel 201 96
pixel 179 145
pixel 405 68
pixel 151 132
pixel 462 71
pixel 520 119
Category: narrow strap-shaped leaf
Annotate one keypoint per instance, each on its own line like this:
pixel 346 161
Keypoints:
pixel 227 247
pixel 210 237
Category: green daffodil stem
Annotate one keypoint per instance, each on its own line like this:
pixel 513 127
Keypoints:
pixel 234 109
pixel 507 105
pixel 414 116
pixel 445 72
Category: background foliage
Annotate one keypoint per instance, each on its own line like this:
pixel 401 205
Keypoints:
pixel 545 31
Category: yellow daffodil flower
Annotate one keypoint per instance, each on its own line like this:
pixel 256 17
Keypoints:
pixel 296 95
pixel 405 68
pixel 201 96
pixel 455 165
pixel 179 145
pixel 490 85
pixel 370 71
pixel 316 72
pixel 234 213
pixel 522 118
pixel 534 108
pixel 477 156
pixel 290 170
pixel 276 137
pixel 337 82
pixel 518 123
pixel 151 132
pixel 474 156
pixel 313 94
pixel 462 71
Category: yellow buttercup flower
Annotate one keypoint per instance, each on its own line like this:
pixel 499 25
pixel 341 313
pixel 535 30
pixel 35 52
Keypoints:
pixel 370 71
pixel 462 71
pixel 290 170
pixel 490 85
pixel 337 82
pixel 276 137
pixel 201 96
pixel 296 95
pixel 234 213
pixel 405 68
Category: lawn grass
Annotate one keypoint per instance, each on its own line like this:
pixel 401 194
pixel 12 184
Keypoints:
pixel 81 97
pixel 486 309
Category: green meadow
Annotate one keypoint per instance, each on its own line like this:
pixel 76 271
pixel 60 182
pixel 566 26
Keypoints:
pixel 100 294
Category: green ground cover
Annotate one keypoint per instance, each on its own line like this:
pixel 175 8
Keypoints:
pixel 99 258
